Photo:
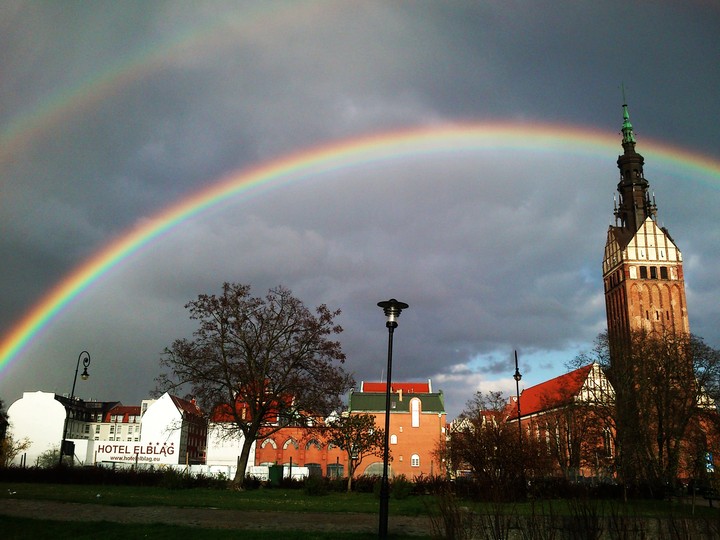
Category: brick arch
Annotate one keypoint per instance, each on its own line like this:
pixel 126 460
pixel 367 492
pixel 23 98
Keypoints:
pixel 313 443
pixel 270 442
pixel 289 442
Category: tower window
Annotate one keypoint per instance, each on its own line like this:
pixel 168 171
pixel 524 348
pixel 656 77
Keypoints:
pixel 653 272
pixel 643 272
pixel 663 272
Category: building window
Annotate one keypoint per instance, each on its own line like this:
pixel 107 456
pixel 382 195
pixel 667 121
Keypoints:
pixel 393 439
pixel 97 429
pixel 643 272
pixel 653 272
pixel 415 412
pixel 663 272
pixel 415 460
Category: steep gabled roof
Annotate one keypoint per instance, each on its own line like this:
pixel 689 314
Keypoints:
pixel 551 394
pixel 185 406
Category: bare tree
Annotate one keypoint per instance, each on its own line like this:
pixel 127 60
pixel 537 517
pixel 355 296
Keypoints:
pixel 483 442
pixel 664 384
pixel 260 363
pixel 358 436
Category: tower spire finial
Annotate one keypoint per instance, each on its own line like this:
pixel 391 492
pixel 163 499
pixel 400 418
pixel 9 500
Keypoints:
pixel 627 129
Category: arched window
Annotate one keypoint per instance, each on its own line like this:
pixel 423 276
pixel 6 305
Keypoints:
pixel 393 439
pixel 290 442
pixel 311 443
pixel 415 412
pixel 415 460
pixel 270 442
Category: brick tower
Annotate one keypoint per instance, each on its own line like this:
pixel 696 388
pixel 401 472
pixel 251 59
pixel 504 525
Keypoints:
pixel 642 266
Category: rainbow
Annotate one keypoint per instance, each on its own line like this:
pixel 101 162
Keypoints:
pixel 383 147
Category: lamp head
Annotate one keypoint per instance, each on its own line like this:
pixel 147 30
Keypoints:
pixel 86 362
pixel 392 309
pixel 517 375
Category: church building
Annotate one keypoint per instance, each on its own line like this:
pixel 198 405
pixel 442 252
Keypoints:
pixel 642 266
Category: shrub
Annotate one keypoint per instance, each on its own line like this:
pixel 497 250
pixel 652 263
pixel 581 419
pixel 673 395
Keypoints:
pixel 316 486
pixel 400 487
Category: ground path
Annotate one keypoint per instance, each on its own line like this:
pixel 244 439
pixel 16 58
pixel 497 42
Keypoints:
pixel 214 518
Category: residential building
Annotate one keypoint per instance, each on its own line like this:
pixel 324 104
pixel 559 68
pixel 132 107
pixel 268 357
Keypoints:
pixel 417 426
pixel 172 430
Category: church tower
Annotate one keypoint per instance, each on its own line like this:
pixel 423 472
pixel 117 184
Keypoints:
pixel 642 266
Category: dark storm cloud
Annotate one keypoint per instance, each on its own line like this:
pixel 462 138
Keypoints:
pixel 494 251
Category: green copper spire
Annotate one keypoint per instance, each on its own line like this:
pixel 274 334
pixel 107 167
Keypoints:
pixel 627 130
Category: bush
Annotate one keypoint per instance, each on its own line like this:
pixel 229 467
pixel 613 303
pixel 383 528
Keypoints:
pixel 316 486
pixel 401 487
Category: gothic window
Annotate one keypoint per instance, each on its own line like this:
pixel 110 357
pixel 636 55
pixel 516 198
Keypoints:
pixel 415 460
pixel 290 442
pixel 312 443
pixel 268 442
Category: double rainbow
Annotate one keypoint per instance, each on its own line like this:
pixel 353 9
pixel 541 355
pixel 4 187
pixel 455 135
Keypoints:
pixel 384 147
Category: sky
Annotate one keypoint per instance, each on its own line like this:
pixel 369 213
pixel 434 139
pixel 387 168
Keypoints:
pixel 458 156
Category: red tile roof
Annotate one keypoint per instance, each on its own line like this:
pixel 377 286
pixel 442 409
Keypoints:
pixel 406 387
pixel 123 411
pixel 189 407
pixel 550 394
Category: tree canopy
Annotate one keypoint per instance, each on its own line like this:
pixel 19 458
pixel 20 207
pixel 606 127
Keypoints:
pixel 258 364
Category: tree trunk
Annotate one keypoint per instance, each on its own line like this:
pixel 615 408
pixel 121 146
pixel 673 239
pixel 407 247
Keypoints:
pixel 239 480
pixel 351 471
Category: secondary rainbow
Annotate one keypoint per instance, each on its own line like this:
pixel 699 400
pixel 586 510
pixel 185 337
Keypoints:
pixel 390 146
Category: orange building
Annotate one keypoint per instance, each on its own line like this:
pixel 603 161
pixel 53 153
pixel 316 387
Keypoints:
pixel 417 426
pixel 302 447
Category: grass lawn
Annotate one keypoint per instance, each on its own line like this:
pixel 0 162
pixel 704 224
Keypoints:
pixel 22 529
pixel 292 500
pixel 287 500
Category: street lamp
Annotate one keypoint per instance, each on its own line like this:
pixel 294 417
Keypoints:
pixel 392 309
pixel 517 378
pixel 85 356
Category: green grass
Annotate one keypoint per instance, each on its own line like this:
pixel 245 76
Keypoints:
pixel 21 529
pixel 287 500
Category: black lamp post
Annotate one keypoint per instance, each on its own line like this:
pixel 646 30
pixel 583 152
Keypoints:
pixel 517 378
pixel 85 356
pixel 392 309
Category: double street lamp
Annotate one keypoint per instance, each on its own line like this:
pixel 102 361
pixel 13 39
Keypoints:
pixel 85 356
pixel 392 309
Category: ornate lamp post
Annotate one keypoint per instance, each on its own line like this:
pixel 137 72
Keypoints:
pixel 392 309
pixel 85 356
pixel 517 378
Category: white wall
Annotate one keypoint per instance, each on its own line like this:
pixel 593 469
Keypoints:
pixel 224 446
pixel 39 417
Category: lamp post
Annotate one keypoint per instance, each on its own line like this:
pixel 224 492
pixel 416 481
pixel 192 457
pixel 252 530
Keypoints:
pixel 85 356
pixel 517 378
pixel 392 309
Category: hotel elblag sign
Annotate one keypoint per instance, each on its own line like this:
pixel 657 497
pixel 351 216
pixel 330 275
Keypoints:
pixel 135 452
